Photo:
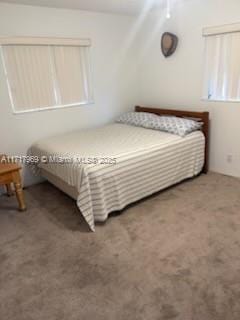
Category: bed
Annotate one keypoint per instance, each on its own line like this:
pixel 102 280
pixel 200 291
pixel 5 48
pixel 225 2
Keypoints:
pixel 107 168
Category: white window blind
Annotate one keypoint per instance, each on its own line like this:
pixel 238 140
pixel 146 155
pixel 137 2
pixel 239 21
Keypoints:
pixel 222 63
pixel 73 71
pixel 44 76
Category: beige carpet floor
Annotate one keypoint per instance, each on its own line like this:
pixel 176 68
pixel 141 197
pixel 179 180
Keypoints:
pixel 175 255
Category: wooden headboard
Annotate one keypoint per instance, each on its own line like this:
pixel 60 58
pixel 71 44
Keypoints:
pixel 197 116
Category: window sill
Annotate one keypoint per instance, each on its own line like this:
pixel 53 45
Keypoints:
pixel 53 108
pixel 223 101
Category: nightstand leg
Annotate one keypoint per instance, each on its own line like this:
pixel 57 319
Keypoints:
pixel 20 197
pixel 9 189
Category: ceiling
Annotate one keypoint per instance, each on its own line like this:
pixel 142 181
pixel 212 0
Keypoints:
pixel 129 7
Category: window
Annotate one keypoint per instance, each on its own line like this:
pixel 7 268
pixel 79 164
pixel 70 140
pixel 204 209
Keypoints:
pixel 222 63
pixel 47 73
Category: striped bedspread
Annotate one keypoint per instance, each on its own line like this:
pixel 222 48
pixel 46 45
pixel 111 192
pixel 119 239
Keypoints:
pixel 117 164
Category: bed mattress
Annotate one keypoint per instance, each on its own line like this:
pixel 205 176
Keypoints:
pixel 115 165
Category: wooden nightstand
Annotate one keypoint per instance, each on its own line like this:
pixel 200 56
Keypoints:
pixel 10 174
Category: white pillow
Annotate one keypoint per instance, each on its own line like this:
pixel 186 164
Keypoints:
pixel 170 124
pixel 138 119
pixel 175 125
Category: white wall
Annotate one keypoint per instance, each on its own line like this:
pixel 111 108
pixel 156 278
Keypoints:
pixel 114 73
pixel 176 82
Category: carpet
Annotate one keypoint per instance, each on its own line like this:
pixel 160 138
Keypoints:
pixel 175 255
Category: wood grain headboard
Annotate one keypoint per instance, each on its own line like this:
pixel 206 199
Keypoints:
pixel 197 116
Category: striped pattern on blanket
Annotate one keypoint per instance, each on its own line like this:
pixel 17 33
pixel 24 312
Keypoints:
pixel 147 161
